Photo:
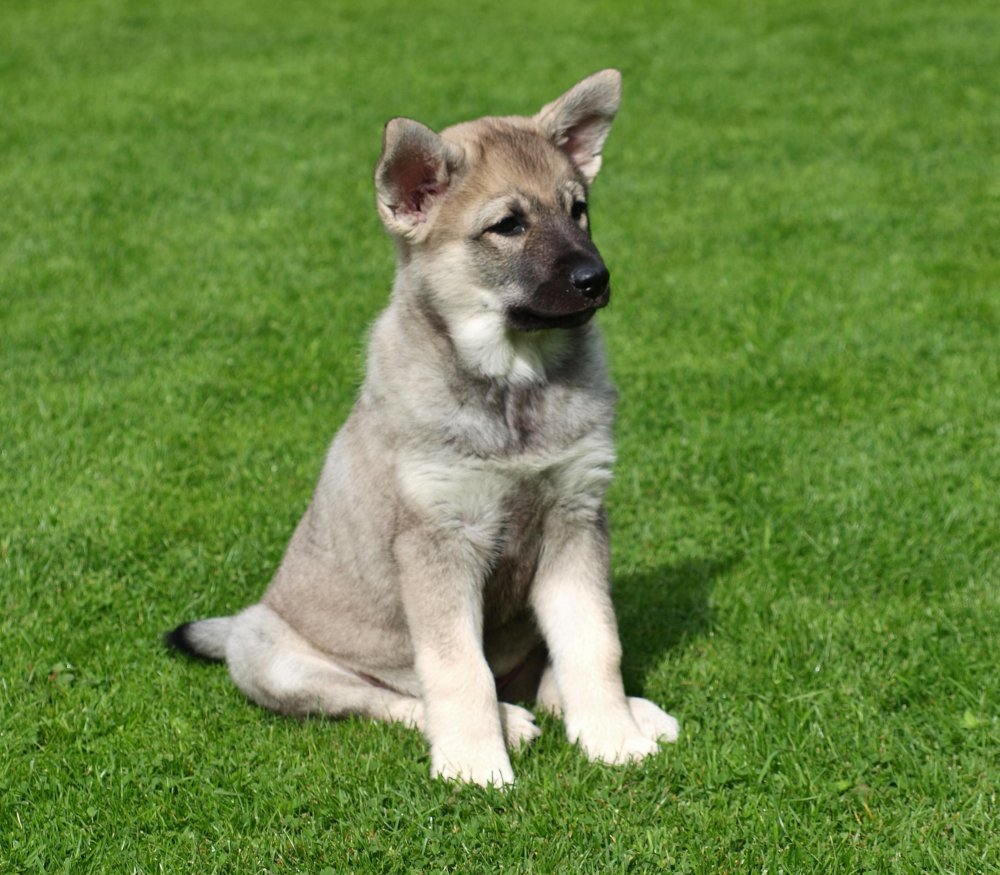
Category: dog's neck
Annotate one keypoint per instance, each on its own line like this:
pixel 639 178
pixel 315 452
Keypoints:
pixel 480 342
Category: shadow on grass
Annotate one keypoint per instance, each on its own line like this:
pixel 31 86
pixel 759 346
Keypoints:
pixel 662 608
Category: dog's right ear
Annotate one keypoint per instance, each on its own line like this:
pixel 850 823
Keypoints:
pixel 412 176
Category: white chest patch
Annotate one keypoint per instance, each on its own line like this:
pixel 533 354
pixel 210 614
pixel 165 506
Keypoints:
pixel 487 346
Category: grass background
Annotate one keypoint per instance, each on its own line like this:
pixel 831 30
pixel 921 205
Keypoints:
pixel 800 209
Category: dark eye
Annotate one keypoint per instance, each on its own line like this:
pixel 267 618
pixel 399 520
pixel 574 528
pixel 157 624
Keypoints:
pixel 509 226
pixel 579 210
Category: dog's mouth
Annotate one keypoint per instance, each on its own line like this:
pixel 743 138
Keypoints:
pixel 527 319
pixel 523 319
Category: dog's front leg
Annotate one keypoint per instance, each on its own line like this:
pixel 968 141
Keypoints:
pixel 442 578
pixel 571 597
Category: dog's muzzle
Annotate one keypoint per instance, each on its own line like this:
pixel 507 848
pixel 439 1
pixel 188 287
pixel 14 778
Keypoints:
pixel 568 301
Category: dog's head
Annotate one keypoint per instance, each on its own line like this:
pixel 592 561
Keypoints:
pixel 491 215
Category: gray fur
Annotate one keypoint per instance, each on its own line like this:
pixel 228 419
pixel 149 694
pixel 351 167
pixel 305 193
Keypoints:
pixel 455 551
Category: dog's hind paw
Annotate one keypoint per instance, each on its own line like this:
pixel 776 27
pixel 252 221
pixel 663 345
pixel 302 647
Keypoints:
pixel 519 726
pixel 654 722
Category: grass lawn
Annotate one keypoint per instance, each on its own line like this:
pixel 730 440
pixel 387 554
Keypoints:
pixel 800 207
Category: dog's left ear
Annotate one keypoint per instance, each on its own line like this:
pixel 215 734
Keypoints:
pixel 579 121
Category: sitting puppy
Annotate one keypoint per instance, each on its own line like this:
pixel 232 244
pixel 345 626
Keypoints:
pixel 454 557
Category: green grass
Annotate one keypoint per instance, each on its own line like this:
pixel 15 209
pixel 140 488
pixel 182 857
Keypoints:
pixel 800 209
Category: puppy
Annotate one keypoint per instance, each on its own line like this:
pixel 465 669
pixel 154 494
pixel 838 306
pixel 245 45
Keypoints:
pixel 454 557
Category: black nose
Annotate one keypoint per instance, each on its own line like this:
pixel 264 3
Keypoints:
pixel 590 279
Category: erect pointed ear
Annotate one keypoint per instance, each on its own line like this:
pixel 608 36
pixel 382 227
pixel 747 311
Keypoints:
pixel 579 121
pixel 412 175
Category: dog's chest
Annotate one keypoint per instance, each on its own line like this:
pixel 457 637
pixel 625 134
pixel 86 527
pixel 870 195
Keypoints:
pixel 496 484
pixel 521 410
pixel 520 458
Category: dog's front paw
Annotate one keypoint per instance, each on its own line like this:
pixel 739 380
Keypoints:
pixel 652 720
pixel 471 763
pixel 519 726
pixel 613 741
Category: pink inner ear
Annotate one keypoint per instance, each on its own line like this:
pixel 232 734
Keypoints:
pixel 582 141
pixel 416 181
pixel 416 197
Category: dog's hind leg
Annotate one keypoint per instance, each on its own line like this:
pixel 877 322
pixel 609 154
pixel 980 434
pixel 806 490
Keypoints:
pixel 277 668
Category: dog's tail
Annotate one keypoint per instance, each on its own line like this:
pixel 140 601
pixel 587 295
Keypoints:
pixel 203 639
